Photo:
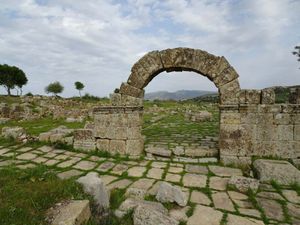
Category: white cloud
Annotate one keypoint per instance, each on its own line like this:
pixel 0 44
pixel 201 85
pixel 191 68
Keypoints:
pixel 97 41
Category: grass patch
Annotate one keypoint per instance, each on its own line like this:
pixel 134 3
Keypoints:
pixel 35 127
pixel 26 195
pixel 117 196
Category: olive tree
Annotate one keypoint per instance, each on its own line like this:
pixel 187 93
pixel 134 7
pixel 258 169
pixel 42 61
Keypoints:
pixel 54 88
pixel 79 86
pixel 11 77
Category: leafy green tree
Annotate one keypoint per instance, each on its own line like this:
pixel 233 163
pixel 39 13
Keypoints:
pixel 297 52
pixel 12 76
pixel 79 86
pixel 55 88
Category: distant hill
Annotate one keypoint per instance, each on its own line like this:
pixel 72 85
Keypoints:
pixel 178 95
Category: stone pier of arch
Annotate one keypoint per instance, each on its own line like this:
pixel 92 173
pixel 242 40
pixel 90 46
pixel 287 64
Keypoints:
pixel 251 124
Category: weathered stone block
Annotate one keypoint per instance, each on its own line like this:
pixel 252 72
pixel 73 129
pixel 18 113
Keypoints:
pixel 229 93
pixel 297 133
pixel 102 144
pixel 117 146
pixel 135 119
pixel 253 96
pixel 134 132
pixel 115 99
pixel 282 119
pixel 177 58
pixel 268 96
pixel 127 89
pixel 131 101
pixel 84 139
pixel 281 171
pixel 135 147
pixel 83 134
pixel 145 69
pixel 285 132
pixel 230 118
pixel 227 75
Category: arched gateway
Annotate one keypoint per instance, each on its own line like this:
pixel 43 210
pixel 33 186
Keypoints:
pixel 217 69
pixel 250 123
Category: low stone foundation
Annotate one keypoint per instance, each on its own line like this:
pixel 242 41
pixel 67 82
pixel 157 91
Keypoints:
pixel 118 129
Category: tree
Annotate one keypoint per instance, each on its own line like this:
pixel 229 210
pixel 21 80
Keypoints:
pixel 12 76
pixel 54 88
pixel 79 86
pixel 297 52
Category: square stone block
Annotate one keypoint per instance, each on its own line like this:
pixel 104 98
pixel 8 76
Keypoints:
pixel 102 144
pixel 127 89
pixel 134 147
pixel 117 146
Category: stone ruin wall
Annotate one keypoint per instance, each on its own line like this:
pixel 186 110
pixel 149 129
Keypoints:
pixel 258 127
pixel 251 124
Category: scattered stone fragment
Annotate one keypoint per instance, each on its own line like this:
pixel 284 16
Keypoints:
pixel 222 201
pixel 136 171
pixel 131 203
pixel 146 216
pixel 69 174
pixel 204 215
pixel 194 180
pixel 235 220
pixel 168 193
pixel 243 184
pixel 200 198
pixel 225 171
pixel 218 183
pixel 135 193
pixel 75 212
pixel 94 186
pixel 281 171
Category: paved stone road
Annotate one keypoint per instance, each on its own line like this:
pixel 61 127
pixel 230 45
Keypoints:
pixel 205 185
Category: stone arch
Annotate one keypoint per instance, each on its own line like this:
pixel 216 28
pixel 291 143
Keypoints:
pixel 215 68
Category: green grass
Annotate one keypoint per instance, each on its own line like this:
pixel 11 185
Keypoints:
pixel 35 127
pixel 26 195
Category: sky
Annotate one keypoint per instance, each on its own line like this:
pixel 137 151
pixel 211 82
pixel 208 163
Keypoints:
pixel 97 41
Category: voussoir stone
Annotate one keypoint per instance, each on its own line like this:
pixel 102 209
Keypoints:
pixel 94 186
pixel 168 193
pixel 243 184
pixel 281 171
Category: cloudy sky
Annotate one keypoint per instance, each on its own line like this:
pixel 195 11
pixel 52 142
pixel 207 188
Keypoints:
pixel 97 41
